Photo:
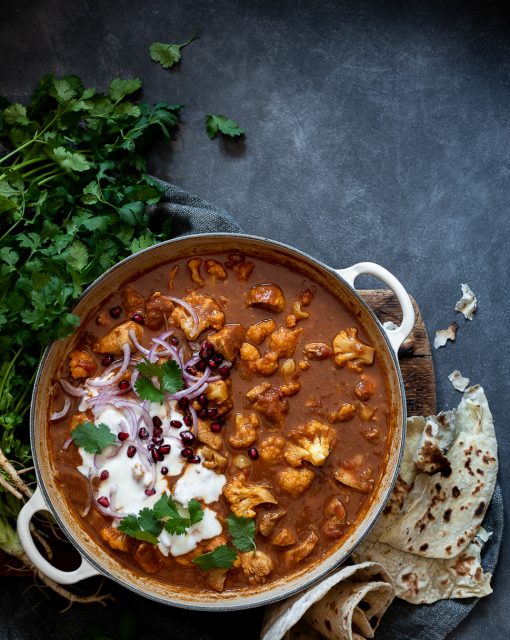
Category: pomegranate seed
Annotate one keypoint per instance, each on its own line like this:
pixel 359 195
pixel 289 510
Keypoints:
pixel 176 424
pixel 215 427
pixel 253 453
pixel 138 318
pixel 213 364
pixel 183 403
pixel 156 421
pixel 106 361
pixel 157 440
pixel 157 432
pixel 124 384
pixel 218 358
pixel 131 450
pixel 187 452
pixel 103 501
pixel 224 371
pixel 143 434
pixel 164 449
pixel 204 353
pixel 187 419
pixel 203 400
pixel 174 341
pixel 194 459
pixel 212 413
pixel 208 345
pixel 150 446
pixel 201 365
pixel 157 456
pixel 150 492
pixel 105 474
pixel 164 471
pixel 202 414
pixel 187 437
pixel 123 435
pixel 115 312
pixel 193 372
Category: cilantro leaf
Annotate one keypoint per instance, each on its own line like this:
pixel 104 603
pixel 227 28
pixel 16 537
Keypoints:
pixel 119 88
pixel 171 377
pixel 16 114
pixel 133 526
pixel 147 391
pixel 196 513
pixel 175 523
pixel 149 369
pixel 70 160
pixel 221 558
pixel 149 522
pixel 221 124
pixel 242 531
pixel 168 54
pixel 91 438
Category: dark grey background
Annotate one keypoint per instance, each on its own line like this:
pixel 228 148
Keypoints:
pixel 376 131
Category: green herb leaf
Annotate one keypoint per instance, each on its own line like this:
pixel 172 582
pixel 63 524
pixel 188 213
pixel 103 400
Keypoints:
pixel 16 114
pixel 167 54
pixel 175 523
pixel 171 377
pixel 70 160
pixel 133 526
pixel 222 124
pixel 147 391
pixel 221 558
pixel 149 369
pixel 149 522
pixel 119 88
pixel 242 531
pixel 91 438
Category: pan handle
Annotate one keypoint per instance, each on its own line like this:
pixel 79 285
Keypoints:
pixel 398 335
pixel 37 503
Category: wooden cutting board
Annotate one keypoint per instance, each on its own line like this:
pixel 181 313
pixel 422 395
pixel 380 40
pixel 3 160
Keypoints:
pixel 417 372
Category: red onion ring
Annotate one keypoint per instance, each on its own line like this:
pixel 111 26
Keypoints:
pixel 117 515
pixel 121 402
pixel 189 309
pixel 66 444
pixel 102 382
pixel 194 416
pixel 190 391
pixel 58 415
pixel 77 392
pixel 134 340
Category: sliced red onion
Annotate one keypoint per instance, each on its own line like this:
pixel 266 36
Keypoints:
pixel 134 340
pixel 118 515
pixel 77 392
pixel 86 510
pixel 169 350
pixel 166 334
pixel 194 427
pixel 189 309
pixel 57 415
pixel 122 402
pixel 195 389
pixel 102 382
pixel 98 462
pixel 66 444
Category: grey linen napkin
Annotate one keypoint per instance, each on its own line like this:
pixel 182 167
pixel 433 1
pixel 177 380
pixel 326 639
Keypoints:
pixel 25 613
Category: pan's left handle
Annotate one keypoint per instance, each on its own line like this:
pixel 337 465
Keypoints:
pixel 37 503
pixel 398 335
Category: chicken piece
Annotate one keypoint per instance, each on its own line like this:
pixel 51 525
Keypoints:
pixel 157 308
pixel 295 481
pixel 243 270
pixel 81 364
pixel 171 276
pixel 258 332
pixel 304 549
pixel 208 312
pixel 114 340
pixel 298 312
pixel 115 538
pixel 228 340
pixel 283 538
pixel 355 474
pixel 255 392
pixel 271 405
pixel 365 388
pixel 365 412
pixel 220 394
pixel 347 347
pixel 265 365
pixel 336 513
pixel 206 436
pixel 346 411
pixel 314 441
pixel 266 296
pixel 244 496
pixel 290 388
pixel 77 419
pixel 268 520
pixel 133 302
pixel 194 271
pixel 256 566
pixel 271 448
pixel 318 351
pixel 371 434
pixel 213 460
pixel 246 431
pixel 290 321
pixel 288 368
pixel 283 341
pixel 216 270
pixel 305 297
pixel 216 579
pixel 148 558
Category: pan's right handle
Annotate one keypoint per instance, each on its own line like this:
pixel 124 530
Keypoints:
pixel 37 503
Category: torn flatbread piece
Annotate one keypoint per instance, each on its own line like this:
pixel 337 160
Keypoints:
pixel 468 303
pixel 458 381
pixel 443 335
pixel 347 605
pixel 443 511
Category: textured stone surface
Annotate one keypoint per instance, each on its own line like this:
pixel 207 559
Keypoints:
pixel 377 131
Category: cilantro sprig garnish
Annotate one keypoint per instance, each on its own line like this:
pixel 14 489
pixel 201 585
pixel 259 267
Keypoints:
pixel 165 514
pixel 221 124
pixel 92 438
pixel 168 54
pixel 169 376
pixel 220 558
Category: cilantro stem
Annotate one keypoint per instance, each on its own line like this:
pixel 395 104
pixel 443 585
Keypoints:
pixel 17 150
pixel 32 171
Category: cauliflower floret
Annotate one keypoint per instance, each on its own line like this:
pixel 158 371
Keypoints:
pixel 266 296
pixel 265 365
pixel 213 459
pixel 296 554
pixel 81 364
pixel 271 448
pixel 243 270
pixel 314 441
pixel 115 538
pixel 295 481
pixel 228 340
pixel 208 312
pixel 114 340
pixel 345 412
pixel 216 270
pixel 194 271
pixel 246 430
pixel 158 306
pixel 244 497
pixel 290 388
pixel 220 393
pixel 283 341
pixel 256 566
pixel 259 331
pixel 347 347
pixel 132 301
